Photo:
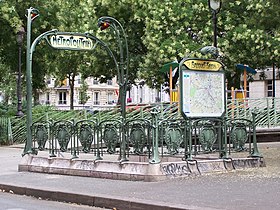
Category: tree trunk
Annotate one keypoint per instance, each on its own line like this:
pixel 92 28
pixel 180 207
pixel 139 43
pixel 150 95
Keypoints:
pixel 36 97
pixel 71 84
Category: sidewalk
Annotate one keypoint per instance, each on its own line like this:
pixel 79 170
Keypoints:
pixel 216 191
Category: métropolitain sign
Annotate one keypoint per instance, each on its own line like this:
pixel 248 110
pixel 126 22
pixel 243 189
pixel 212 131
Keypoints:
pixel 71 42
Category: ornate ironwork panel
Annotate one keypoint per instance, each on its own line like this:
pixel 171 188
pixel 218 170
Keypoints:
pixel 209 132
pixel 207 137
pixel 172 135
pixel 85 136
pixel 63 131
pixel 138 136
pixel 40 134
pixel 239 135
pixel 173 138
pixel 111 137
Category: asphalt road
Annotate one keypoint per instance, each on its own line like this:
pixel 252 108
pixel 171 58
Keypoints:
pixel 18 202
pixel 255 188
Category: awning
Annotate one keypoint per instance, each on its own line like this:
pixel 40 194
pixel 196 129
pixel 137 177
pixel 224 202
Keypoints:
pixel 166 67
pixel 248 69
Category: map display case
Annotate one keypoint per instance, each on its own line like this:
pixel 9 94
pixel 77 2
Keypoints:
pixel 202 84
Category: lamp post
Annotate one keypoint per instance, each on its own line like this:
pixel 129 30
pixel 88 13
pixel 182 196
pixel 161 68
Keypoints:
pixel 20 37
pixel 215 6
pixel 32 13
pixel 104 23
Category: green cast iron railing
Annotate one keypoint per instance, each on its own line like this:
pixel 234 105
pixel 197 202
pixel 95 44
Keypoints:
pixel 153 138
pixel 267 110
pixel 149 133
pixel 6 136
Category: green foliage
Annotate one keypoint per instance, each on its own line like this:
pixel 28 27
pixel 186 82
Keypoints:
pixel 158 32
pixel 176 28
pixel 7 110
pixel 83 97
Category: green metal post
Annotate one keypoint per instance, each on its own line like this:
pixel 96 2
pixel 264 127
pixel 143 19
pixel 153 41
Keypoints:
pixel 121 74
pixel 98 155
pixel 155 158
pixel 190 140
pixel 256 152
pixel 30 16
pixel 225 155
pixel 122 99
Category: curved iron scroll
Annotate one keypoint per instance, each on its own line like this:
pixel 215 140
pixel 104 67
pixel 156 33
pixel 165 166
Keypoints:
pixel 207 137
pixel 239 136
pixel 111 137
pixel 40 134
pixel 173 138
pixel 63 132
pixel 138 138
pixel 85 135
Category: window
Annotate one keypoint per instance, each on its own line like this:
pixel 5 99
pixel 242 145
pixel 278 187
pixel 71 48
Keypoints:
pixel 95 82
pixel 96 98
pixel 62 98
pixel 109 82
pixel 247 90
pixel 80 97
pixel 269 88
pixel 110 98
pixel 47 98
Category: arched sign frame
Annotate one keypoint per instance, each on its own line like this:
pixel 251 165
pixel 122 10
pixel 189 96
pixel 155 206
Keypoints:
pixel 64 41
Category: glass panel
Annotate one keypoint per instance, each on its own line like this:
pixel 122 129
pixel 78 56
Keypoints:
pixel 109 82
pixel 62 98
pixel 110 98
pixel 96 98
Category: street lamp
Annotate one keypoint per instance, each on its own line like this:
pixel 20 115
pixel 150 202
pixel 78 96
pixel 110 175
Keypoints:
pixel 215 6
pixel 110 22
pixel 20 37
pixel 32 13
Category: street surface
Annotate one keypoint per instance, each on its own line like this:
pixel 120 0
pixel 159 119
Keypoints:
pixel 19 202
pixel 256 188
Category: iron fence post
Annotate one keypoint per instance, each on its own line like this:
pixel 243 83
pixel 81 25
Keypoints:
pixel 155 135
pixel 256 152
pixel 225 138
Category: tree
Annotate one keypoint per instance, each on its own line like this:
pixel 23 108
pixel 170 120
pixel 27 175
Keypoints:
pixel 158 32
pixel 83 97
pixel 173 29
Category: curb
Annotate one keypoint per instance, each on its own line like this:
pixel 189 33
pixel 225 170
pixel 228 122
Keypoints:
pixel 96 201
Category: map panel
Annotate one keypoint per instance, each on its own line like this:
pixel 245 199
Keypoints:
pixel 203 93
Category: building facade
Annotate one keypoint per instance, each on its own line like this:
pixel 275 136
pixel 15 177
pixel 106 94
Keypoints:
pixel 100 95
pixel 264 84
pixel 105 95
